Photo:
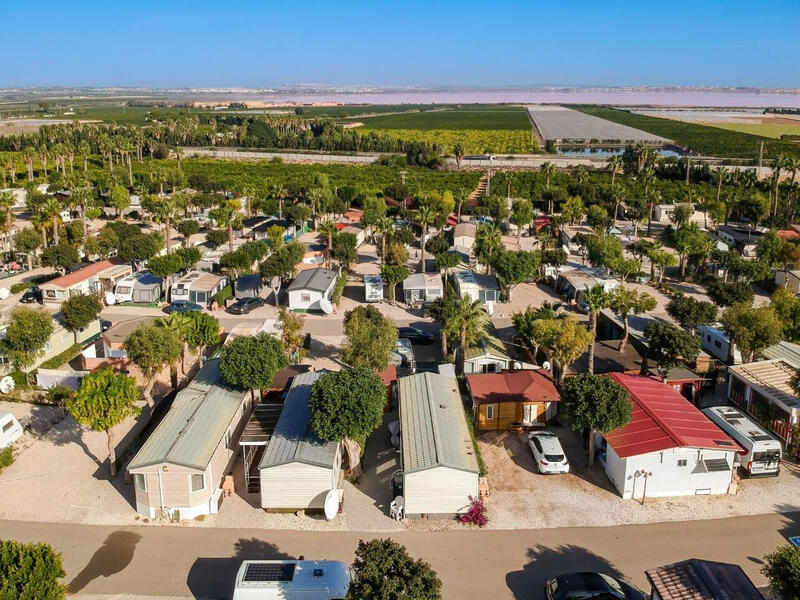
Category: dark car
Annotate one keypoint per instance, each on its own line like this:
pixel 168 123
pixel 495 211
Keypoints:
pixel 414 335
pixel 31 295
pixel 245 305
pixel 590 586
pixel 182 306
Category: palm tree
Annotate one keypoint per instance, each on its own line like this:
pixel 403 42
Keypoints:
pixel 615 165
pixel 468 319
pixel 648 174
pixel 166 212
pixel 488 242
pixel 328 229
pixel 83 197
pixel 548 169
pixel 458 152
pixel 424 217
pixel 779 164
pixel 626 300
pixel 619 196
pixel 792 165
pixel 6 204
pixel 227 215
pixel 52 210
pixel 181 324
pixel 383 226
pixel 597 299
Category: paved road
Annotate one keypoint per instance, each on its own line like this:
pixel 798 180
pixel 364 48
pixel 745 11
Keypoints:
pixel 186 562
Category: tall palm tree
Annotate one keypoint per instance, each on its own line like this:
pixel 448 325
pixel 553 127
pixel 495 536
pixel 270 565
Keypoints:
pixel 424 217
pixel 83 197
pixel 778 166
pixel 615 165
pixel 458 152
pixel 619 196
pixel 468 318
pixel 548 169
pixel 488 242
pixel 328 229
pixel 6 204
pixel 597 299
pixel 52 210
pixel 166 212
pixel 181 324
pixel 383 226
pixel 648 175
pixel 227 215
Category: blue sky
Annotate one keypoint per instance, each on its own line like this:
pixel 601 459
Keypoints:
pixel 179 43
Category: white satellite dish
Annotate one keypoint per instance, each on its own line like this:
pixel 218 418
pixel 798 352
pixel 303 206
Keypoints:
pixel 4 293
pixel 546 365
pixel 110 298
pixel 326 306
pixel 331 505
pixel 517 366
pixel 490 308
pixel 7 384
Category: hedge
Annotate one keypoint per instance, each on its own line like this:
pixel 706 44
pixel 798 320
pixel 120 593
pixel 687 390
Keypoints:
pixel 223 295
pixel 471 427
pixel 339 289
pixel 59 359
pixel 6 457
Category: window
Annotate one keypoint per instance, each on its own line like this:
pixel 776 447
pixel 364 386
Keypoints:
pixel 717 343
pixel 198 482
pixel 228 438
pixel 8 426
pixel 304 297
pixel 490 413
pixel 141 482
pixel 682 462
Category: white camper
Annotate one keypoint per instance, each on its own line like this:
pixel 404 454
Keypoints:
pixel 10 429
pixel 292 580
pixel 373 288
pixel 762 454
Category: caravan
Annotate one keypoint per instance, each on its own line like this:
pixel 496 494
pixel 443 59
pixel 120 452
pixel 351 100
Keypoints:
pixel 292 580
pixel 10 429
pixel 762 454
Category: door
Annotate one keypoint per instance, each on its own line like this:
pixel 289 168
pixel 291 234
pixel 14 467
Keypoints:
pixel 529 413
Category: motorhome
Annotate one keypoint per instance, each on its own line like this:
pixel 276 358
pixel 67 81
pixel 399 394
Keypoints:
pixel 292 580
pixel 373 288
pixel 762 454
pixel 10 429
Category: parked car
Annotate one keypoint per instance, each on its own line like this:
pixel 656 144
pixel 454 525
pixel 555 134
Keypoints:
pixel 415 335
pixel 590 586
pixel 548 453
pixel 182 306
pixel 245 305
pixel 31 295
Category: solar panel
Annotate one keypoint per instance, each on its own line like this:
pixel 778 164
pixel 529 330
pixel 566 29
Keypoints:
pixel 269 572
pixel 760 437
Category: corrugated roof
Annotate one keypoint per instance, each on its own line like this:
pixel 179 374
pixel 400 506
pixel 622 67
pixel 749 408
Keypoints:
pixel 771 378
pixel 465 229
pixel 119 332
pixel 489 345
pixel 318 280
pixel 696 579
pixel 423 281
pixel 529 385
pixel 293 440
pixel 786 351
pixel 433 425
pixel 83 274
pixel 662 419
pixel 194 425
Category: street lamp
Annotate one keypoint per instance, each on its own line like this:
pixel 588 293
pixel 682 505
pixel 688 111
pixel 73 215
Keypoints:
pixel 647 475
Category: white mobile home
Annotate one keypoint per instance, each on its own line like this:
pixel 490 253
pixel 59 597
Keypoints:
pixel 440 471
pixel 310 288
pixel 298 469
pixel 464 238
pixel 477 286
pixel 142 286
pixel 198 287
pixel 716 342
pixel 422 288
pixel 488 355
pixel 292 579
pixel 179 470
pixel 94 278
pixel 669 448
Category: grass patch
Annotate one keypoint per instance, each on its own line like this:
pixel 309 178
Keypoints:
pixel 478 456
pixel 704 139
pixel 339 289
pixel 59 359
pixel 6 457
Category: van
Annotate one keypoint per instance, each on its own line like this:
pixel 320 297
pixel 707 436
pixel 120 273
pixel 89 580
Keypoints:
pixel 762 452
pixel 292 580
pixel 10 429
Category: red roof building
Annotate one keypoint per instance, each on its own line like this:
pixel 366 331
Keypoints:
pixel 512 399
pixel 667 442
pixel 97 277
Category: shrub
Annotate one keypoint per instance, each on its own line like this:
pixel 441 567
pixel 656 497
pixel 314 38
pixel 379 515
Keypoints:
pixel 223 295
pixel 730 293
pixel 782 568
pixel 476 515
pixel 471 426
pixel 339 289
pixel 59 359
pixel 21 287
pixel 6 457
pixel 30 572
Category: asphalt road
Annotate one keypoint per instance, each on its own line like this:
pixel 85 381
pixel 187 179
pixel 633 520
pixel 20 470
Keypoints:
pixel 181 562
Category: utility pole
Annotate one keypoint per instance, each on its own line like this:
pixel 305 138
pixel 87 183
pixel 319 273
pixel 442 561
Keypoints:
pixel 760 157
pixel 488 183
pixel 688 168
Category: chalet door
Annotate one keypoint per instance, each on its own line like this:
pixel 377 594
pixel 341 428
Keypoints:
pixel 528 413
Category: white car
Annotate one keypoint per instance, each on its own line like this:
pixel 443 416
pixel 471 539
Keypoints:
pixel 548 453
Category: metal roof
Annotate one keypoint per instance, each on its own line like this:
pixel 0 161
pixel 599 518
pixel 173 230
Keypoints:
pixel 317 280
pixel 433 424
pixel 423 281
pixel 529 385
pixel 293 441
pixel 194 425
pixel 87 272
pixel 489 345
pixel 771 378
pixel 662 419
pixel 786 351
pixel 141 279
pixel 696 579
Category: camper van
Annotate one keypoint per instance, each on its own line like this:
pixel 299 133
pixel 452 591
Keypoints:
pixel 762 454
pixel 10 429
pixel 292 580
pixel 373 288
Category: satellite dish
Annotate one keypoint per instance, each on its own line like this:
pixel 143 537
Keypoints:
pixel 4 293
pixel 326 306
pixel 490 308
pixel 331 505
pixel 7 384
pixel 546 365
pixel 110 298
pixel 517 366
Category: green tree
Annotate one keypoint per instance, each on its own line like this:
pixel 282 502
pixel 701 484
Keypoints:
pixel 26 335
pixel 521 215
pixel 663 259
pixel 681 214
pixel 235 263
pixel 105 399
pixel 292 334
pixel 573 210
pixel 488 242
pixel 782 569
pixel 217 237
pixel 596 299
pixel 228 217
pixel 595 403
pixel 344 249
pixel 27 240
pixel 204 331
pixel 466 323
pixel 691 242
pixel 752 329
pixel 393 274
pixel 446 261
pixel 370 338
pixel 188 227
pixel 251 362
pixel 563 341
pixel 30 572
pixel 347 406
pixel 80 311
pixel 329 230
pixel 787 306
pixel 728 293
pixel 141 246
pixel 515 267
pixel 153 349
pixel 281 264
pixel 62 256
pixel 383 570
pixel 669 346
pixel 181 325
pixel 690 312
pixel 624 301
pixel 374 211
pixel 165 267
pixel 597 217
pixel 424 217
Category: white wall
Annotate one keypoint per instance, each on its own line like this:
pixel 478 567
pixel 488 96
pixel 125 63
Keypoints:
pixel 296 486
pixel 475 365
pixel 296 300
pixel 439 491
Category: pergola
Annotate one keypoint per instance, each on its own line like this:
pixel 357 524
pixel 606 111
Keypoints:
pixel 255 437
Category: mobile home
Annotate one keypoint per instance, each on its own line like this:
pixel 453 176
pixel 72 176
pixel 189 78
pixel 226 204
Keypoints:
pixel 248 286
pixel 198 286
pixel 762 452
pixel 310 288
pixel 422 288
pixel 716 342
pixel 142 286
pixel 477 286
pixel 94 278
pixel 10 429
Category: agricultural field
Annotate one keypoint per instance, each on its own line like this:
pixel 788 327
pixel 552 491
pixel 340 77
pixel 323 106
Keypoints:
pixel 481 129
pixel 704 139
pixel 770 130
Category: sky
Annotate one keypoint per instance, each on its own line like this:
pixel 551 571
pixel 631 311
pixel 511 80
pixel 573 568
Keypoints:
pixel 175 43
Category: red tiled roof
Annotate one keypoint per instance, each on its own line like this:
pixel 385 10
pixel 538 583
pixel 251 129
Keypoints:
pixel 354 215
pixel 788 234
pixel 696 579
pixel 662 419
pixel 83 274
pixel 512 386
pixel 388 375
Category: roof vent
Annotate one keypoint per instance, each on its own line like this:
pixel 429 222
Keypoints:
pixel 319 573
pixel 443 406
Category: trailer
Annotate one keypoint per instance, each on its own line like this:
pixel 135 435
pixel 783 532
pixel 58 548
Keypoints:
pixel 373 288
pixel 142 286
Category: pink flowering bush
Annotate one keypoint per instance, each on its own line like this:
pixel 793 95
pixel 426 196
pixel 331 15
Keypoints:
pixel 476 515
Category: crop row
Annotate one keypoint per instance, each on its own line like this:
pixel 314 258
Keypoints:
pixel 474 141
